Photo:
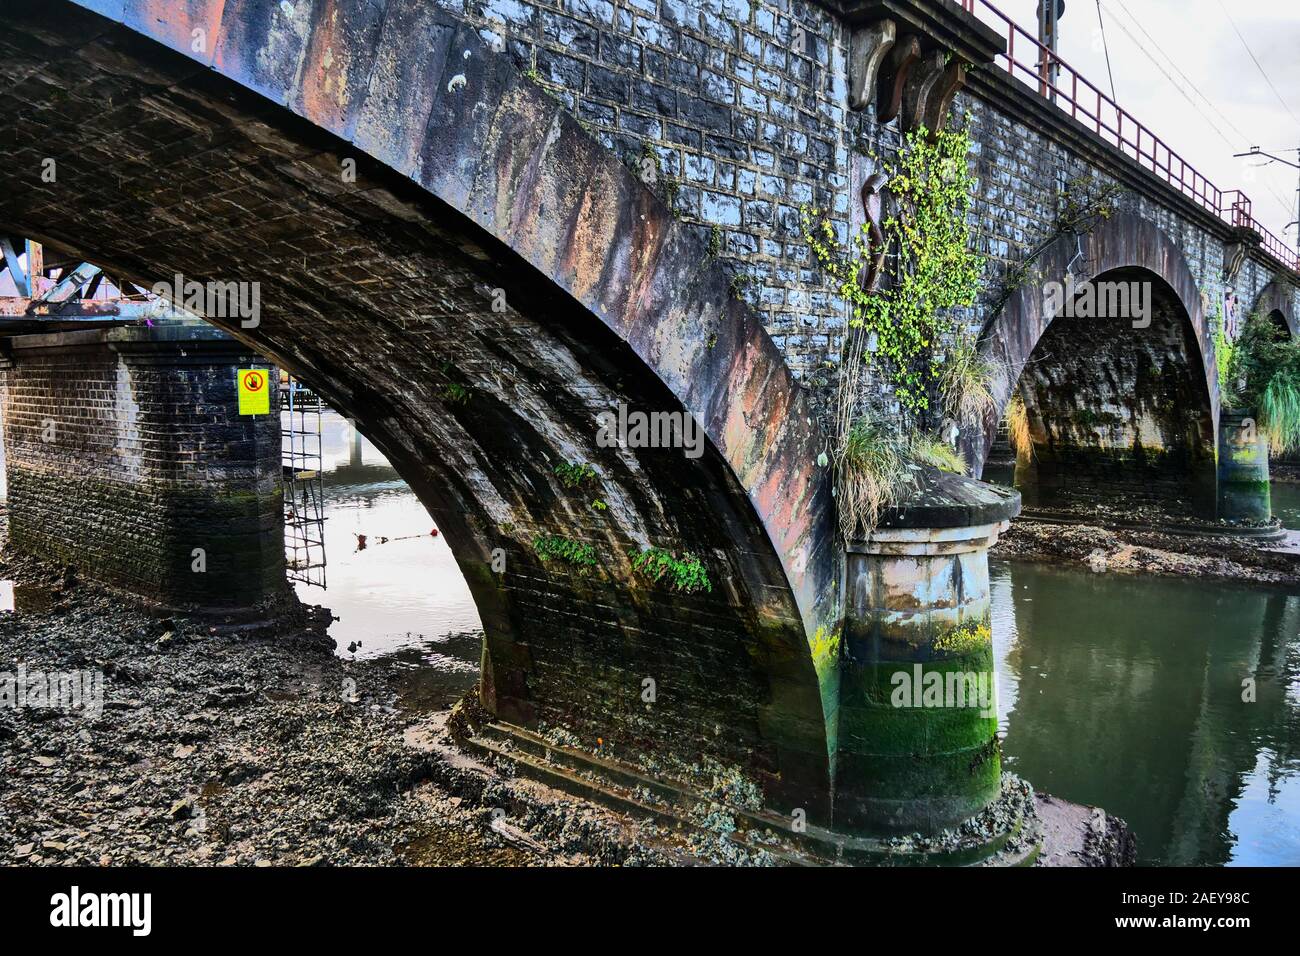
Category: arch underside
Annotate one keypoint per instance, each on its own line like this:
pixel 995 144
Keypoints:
pixel 381 294
pixel 1118 414
pixel 1122 404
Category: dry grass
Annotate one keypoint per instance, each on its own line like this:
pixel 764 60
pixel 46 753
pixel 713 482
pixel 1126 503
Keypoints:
pixel 929 450
pixel 967 382
pixel 871 471
pixel 1018 428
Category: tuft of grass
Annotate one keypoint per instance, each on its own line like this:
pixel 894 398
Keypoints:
pixel 1018 428
pixel 686 574
pixel 1278 413
pixel 933 451
pixel 966 382
pixel 870 473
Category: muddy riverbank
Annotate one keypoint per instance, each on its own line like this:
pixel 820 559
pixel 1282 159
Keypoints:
pixel 261 747
pixel 247 748
pixel 1111 549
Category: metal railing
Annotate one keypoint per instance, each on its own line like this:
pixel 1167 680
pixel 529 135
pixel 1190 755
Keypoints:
pixel 1028 60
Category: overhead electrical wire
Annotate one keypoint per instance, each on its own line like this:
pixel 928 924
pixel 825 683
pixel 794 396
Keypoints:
pixel 1254 59
pixel 1106 46
pixel 1228 140
pixel 1185 78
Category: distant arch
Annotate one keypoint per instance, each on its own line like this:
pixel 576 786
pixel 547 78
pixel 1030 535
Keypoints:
pixel 1277 300
pixel 1125 245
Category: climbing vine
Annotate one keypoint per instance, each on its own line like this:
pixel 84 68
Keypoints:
pixel 935 267
pixel 1224 357
pixel 1083 203
pixel 905 331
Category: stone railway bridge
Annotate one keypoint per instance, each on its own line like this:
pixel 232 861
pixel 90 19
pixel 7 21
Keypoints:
pixel 460 243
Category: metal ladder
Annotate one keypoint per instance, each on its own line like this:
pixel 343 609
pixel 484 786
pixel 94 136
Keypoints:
pixel 304 498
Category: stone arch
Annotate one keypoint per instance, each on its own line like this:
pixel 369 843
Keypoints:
pixel 1087 352
pixel 472 188
pixel 1277 301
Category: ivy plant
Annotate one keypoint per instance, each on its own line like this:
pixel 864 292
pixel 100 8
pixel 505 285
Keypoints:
pixel 935 268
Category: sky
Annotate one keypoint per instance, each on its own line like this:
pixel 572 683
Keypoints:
pixel 1242 110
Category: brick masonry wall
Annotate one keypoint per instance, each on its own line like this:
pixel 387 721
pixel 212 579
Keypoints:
pixel 742 107
pixel 385 301
pixel 124 454
pixel 739 108
pixel 1022 173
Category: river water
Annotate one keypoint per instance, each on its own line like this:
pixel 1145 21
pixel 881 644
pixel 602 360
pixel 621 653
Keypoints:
pixel 1127 693
pixel 404 596
pixel 1122 692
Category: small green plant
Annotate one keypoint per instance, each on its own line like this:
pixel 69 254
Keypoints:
pixel 455 393
pixel 598 504
pixel 715 242
pixel 740 282
pixel 671 190
pixel 685 574
pixel 966 638
pixel 556 547
pixel 572 475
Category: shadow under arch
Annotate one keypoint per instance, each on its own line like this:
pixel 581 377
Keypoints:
pixel 473 188
pixel 1124 248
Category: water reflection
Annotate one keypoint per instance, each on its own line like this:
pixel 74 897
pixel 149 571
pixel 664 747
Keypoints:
pixel 1126 693
pixel 1285 496
pixel 402 591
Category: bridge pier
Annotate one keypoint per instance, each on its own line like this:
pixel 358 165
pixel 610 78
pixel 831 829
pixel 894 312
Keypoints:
pixel 918 722
pixel 127 458
pixel 1244 491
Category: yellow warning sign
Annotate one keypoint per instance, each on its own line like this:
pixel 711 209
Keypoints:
pixel 254 391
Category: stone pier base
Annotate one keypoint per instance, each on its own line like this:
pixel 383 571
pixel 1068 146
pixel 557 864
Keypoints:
pixel 918 749
pixel 1244 491
pixel 127 458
